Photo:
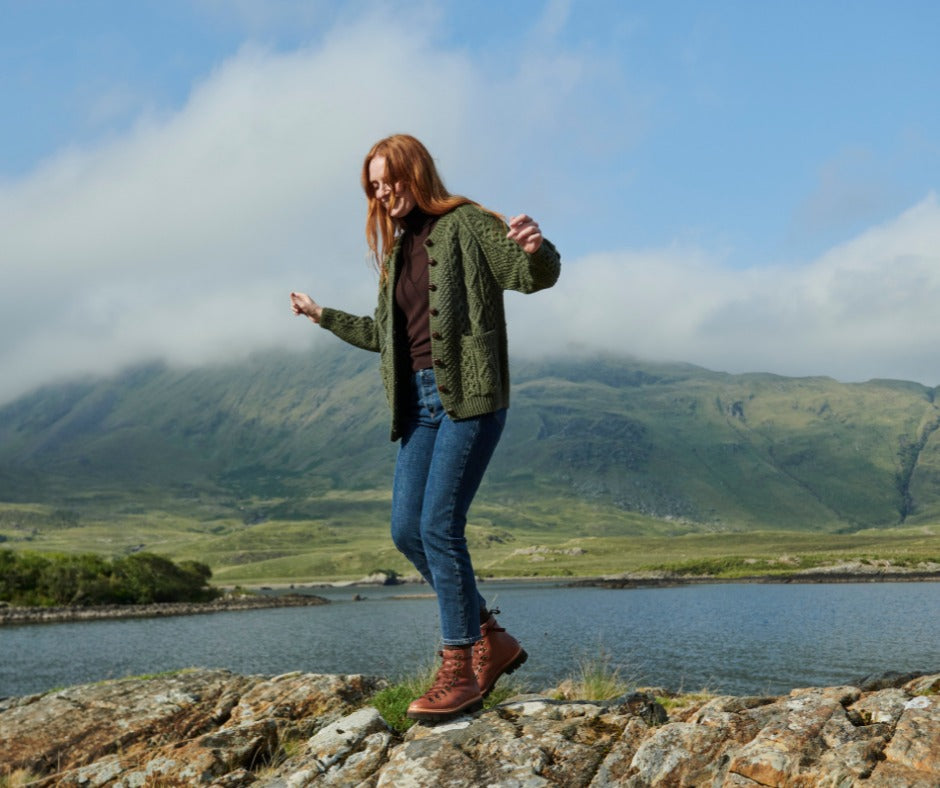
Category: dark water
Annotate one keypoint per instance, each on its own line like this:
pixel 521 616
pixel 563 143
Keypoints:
pixel 735 638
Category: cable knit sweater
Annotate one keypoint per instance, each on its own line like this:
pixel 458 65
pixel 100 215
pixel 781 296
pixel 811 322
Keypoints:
pixel 471 263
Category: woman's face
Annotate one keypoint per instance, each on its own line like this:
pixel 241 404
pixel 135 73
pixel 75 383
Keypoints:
pixel 383 191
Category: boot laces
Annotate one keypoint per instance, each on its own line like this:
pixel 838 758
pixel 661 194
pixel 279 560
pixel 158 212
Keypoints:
pixel 447 674
pixel 494 627
pixel 481 647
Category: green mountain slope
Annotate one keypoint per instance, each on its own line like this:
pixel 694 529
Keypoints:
pixel 742 450
pixel 599 446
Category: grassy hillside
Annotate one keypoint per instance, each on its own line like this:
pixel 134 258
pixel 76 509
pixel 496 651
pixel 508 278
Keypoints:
pixel 280 467
pixel 740 451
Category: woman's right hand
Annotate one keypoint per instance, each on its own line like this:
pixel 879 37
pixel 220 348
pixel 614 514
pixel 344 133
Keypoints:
pixel 302 304
pixel 524 230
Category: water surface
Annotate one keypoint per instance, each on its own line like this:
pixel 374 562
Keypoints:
pixel 734 638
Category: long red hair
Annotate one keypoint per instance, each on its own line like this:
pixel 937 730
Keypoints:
pixel 408 162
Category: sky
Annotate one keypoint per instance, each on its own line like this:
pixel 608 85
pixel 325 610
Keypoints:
pixel 750 187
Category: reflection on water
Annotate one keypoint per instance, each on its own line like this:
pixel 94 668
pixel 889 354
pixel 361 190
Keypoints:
pixel 735 638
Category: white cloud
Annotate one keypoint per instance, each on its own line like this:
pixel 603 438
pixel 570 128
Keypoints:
pixel 865 309
pixel 172 240
pixel 182 238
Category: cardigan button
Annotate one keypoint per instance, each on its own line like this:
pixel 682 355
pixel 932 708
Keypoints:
pixel 433 312
pixel 432 261
pixel 432 287
pixel 443 389
pixel 436 335
pixel 438 363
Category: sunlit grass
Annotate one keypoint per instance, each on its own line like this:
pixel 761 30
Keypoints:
pixel 393 701
pixel 554 538
pixel 597 677
pixel 18 779
pixel 682 701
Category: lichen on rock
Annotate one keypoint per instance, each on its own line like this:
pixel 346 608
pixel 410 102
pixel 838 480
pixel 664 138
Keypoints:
pixel 216 728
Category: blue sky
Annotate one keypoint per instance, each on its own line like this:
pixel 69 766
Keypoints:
pixel 746 186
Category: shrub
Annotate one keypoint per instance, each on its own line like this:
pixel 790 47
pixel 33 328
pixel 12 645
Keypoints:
pixel 89 579
pixel 144 578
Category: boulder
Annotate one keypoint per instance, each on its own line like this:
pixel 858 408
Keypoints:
pixel 215 728
pixel 194 727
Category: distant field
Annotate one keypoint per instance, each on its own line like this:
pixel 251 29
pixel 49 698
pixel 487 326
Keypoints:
pixel 553 539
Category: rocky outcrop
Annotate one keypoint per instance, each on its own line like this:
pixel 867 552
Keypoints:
pixel 207 727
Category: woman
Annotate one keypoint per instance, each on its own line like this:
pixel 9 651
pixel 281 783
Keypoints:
pixel 440 328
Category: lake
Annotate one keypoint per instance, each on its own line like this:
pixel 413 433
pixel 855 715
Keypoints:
pixel 731 638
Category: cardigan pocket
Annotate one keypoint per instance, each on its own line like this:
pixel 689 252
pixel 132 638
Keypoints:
pixel 479 366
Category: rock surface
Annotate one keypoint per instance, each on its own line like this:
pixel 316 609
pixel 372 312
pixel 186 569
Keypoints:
pixel 211 727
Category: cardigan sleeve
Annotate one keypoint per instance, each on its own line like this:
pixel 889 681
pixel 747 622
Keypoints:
pixel 512 268
pixel 359 331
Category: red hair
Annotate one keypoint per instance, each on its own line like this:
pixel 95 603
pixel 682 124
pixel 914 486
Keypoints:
pixel 407 162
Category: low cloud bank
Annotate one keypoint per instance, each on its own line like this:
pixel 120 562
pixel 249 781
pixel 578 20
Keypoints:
pixel 182 239
pixel 866 309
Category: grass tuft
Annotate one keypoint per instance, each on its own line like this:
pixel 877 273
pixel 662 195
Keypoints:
pixel 597 678
pixel 17 779
pixel 393 701
pixel 289 746
pixel 672 703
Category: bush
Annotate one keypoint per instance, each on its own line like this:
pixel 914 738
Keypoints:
pixel 20 577
pixel 89 579
pixel 144 578
pixel 74 579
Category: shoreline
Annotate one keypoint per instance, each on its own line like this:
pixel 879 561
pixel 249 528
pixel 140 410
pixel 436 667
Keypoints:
pixel 656 579
pixel 11 615
pixel 667 580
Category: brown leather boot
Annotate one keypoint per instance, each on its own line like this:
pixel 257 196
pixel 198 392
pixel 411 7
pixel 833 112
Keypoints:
pixel 496 654
pixel 454 690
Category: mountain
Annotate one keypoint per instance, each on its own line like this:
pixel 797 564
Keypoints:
pixel 279 437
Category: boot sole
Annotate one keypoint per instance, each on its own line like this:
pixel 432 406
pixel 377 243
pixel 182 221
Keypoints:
pixel 516 663
pixel 440 716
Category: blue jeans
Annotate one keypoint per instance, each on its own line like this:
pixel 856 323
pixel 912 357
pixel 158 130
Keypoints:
pixel 439 468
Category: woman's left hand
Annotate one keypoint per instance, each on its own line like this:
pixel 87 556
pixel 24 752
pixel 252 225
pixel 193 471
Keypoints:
pixel 524 230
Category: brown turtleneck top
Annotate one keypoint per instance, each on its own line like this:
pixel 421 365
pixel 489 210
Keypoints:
pixel 411 289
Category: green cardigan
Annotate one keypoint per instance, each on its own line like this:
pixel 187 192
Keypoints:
pixel 471 264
